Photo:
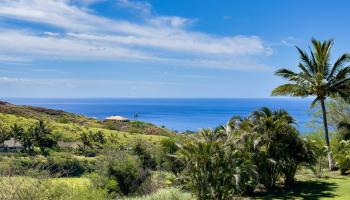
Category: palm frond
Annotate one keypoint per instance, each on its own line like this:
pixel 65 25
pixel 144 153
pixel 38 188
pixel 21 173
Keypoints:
pixel 306 60
pixel 289 89
pixel 339 63
pixel 314 102
pixel 286 73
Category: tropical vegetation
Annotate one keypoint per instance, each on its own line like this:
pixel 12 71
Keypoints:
pixel 262 156
pixel 318 78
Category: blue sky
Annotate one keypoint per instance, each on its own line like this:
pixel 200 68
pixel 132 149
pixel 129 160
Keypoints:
pixel 158 48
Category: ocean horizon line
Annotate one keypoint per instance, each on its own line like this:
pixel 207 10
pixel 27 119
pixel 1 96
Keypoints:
pixel 270 98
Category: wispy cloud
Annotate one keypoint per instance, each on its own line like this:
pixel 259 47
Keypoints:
pixel 290 41
pixel 143 7
pixel 75 83
pixel 226 17
pixel 85 35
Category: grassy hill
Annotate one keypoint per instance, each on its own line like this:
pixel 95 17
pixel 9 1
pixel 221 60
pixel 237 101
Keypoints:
pixel 69 125
pixel 45 114
pixel 71 131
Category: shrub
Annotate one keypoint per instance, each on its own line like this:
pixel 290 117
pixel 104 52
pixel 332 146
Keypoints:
pixel 64 164
pixel 44 188
pixel 147 160
pixel 317 145
pixel 21 165
pixel 165 194
pixel 168 160
pixel 121 172
pixel 343 157
pixel 277 147
pixel 157 180
pixel 216 168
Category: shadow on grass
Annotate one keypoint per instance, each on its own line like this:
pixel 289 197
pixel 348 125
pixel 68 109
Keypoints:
pixel 311 190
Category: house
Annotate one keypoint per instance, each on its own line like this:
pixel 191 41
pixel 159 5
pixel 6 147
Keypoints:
pixel 117 119
pixel 11 145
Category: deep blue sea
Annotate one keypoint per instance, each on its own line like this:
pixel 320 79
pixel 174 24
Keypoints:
pixel 176 114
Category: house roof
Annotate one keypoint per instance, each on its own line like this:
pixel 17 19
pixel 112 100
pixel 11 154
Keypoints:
pixel 12 143
pixel 117 118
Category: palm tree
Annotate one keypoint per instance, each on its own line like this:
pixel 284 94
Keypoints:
pixel 318 78
pixel 136 116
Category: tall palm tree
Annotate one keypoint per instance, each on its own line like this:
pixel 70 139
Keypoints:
pixel 318 78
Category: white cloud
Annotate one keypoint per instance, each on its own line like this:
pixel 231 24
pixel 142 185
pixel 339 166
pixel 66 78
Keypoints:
pixel 170 21
pixel 182 41
pixel 143 7
pixel 76 83
pixel 84 2
pixel 290 41
pixel 85 35
pixel 5 58
pixel 51 33
pixel 31 45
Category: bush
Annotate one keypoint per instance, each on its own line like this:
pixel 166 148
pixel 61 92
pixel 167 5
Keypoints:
pixel 316 144
pixel 216 168
pixel 343 157
pixel 26 188
pixel 147 160
pixel 57 164
pixel 168 160
pixel 277 147
pixel 165 194
pixel 22 165
pixel 157 180
pixel 290 150
pixel 65 165
pixel 120 172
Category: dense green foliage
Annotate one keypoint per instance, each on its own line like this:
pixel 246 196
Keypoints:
pixel 233 159
pixel 339 114
pixel 261 155
pixel 217 167
pixel 319 78
pixel 343 156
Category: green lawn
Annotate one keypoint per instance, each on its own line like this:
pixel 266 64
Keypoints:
pixel 334 187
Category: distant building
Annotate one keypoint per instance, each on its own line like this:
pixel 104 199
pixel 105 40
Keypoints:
pixel 73 145
pixel 117 118
pixel 11 145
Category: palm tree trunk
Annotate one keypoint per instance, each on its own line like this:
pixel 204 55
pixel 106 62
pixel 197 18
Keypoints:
pixel 331 162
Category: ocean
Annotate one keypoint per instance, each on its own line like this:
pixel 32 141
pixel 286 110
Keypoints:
pixel 176 114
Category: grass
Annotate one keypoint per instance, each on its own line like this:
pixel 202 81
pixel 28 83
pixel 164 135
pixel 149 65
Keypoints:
pixel 333 186
pixel 71 132
pixel 60 117
pixel 165 194
pixel 26 188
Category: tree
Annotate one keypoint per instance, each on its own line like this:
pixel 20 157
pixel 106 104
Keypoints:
pixel 273 141
pixel 278 148
pixel 146 159
pixel 38 135
pixel 27 140
pixel 318 78
pixel 16 131
pixel 42 136
pixel 216 167
pixel 136 116
pixel 86 140
pixel 5 134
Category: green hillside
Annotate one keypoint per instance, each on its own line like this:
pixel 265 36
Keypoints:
pixel 67 126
